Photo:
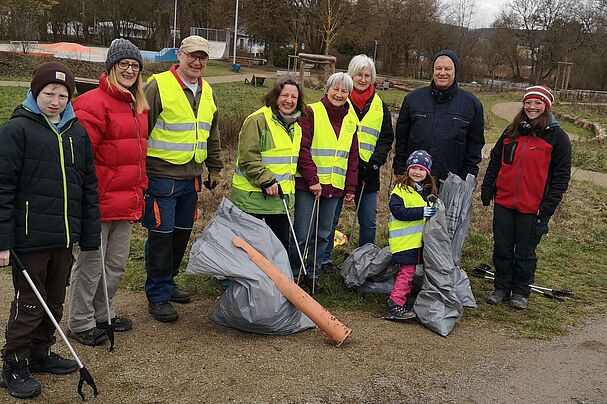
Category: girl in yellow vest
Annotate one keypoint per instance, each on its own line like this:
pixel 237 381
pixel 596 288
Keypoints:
pixel 268 149
pixel 410 209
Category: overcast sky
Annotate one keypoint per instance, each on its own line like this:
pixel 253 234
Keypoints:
pixel 487 11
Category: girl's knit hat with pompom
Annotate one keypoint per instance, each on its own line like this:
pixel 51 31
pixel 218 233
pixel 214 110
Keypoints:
pixel 421 159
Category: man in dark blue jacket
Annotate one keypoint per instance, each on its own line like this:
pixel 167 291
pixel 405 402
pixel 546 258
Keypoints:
pixel 444 120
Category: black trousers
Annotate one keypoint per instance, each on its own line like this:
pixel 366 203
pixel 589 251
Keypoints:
pixel 516 236
pixel 279 223
pixel 30 332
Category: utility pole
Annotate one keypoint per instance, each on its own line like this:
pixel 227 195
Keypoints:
pixel 175 25
pixel 375 50
pixel 235 33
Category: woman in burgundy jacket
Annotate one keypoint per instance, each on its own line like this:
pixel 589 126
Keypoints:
pixel 115 118
pixel 327 171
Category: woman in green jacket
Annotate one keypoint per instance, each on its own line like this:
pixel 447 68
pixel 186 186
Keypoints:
pixel 268 149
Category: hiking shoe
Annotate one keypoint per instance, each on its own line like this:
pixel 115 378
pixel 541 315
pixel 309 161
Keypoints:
pixel 518 302
pixel 16 377
pixel 396 312
pixel 162 311
pixel 328 268
pixel 180 296
pixel 318 287
pixel 497 296
pixel 53 363
pixel 120 324
pixel 91 337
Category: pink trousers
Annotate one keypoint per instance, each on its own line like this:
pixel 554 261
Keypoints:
pixel 402 284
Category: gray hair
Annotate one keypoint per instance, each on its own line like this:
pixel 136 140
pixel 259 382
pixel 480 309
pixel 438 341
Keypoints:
pixel 339 79
pixel 360 63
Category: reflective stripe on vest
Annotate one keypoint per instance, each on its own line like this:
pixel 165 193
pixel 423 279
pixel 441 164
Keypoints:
pixel 329 153
pixel 403 236
pixel 178 135
pixel 370 128
pixel 281 160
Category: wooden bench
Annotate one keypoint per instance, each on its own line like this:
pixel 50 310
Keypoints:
pixel 83 84
pixel 244 60
pixel 255 80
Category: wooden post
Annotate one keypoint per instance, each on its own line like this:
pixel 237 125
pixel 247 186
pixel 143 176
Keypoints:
pixel 301 71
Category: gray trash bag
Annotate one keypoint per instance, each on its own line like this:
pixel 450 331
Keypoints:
pixel 251 302
pixel 368 269
pixel 457 195
pixel 437 306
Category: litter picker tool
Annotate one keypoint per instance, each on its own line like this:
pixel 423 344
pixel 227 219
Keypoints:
pixel 85 376
pixel 284 202
pixel 306 249
pixel 110 326
pixel 484 271
pixel 316 244
pixel 360 198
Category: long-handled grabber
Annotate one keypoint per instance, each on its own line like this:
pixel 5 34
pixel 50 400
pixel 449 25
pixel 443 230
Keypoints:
pixel 110 326
pixel 306 250
pixel 284 202
pixel 350 239
pixel 316 245
pixel 484 271
pixel 85 376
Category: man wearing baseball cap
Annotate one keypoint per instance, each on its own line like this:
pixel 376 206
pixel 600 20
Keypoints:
pixel 183 137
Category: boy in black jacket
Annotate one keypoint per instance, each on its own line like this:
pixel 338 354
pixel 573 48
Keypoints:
pixel 48 202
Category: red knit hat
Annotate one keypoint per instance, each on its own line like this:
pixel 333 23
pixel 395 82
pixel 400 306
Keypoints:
pixel 541 93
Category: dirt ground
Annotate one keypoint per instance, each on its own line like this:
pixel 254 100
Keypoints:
pixel 195 360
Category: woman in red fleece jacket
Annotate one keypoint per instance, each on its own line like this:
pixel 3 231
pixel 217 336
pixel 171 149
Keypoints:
pixel 528 174
pixel 115 118
pixel 327 171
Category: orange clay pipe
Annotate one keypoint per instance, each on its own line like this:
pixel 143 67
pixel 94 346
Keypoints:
pixel 331 326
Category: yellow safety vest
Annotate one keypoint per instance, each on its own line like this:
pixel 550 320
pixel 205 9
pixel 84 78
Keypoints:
pixel 403 236
pixel 281 160
pixel 179 135
pixel 329 153
pixel 370 128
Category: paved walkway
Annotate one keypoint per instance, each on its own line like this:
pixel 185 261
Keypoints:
pixel 508 110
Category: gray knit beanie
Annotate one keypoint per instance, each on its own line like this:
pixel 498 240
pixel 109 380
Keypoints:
pixel 121 48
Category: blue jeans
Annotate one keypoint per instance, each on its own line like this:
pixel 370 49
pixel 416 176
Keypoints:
pixel 304 203
pixel 170 211
pixel 367 215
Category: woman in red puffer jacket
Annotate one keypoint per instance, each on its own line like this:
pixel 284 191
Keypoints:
pixel 115 118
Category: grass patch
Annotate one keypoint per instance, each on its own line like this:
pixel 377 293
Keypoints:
pixel 595 113
pixel 10 97
pixel 590 155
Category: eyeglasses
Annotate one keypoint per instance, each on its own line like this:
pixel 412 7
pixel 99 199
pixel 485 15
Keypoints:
pixel 125 66
pixel 192 58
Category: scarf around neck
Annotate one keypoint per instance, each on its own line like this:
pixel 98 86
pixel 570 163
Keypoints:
pixel 360 99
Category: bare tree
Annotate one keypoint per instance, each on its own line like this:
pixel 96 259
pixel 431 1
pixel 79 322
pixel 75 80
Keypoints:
pixel 336 16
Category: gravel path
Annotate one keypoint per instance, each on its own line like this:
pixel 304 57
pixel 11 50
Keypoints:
pixel 195 360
